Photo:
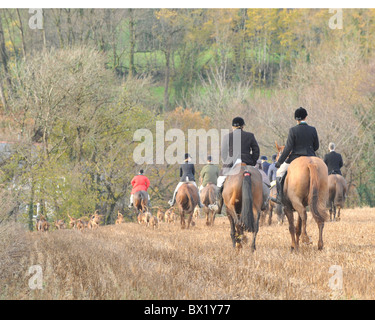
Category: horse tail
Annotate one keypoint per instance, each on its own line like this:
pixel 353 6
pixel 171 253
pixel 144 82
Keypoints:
pixel 279 209
pixel 188 205
pixel 247 215
pixel 339 197
pixel 212 195
pixel 316 206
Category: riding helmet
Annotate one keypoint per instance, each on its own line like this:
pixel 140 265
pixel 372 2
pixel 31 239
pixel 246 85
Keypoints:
pixel 300 113
pixel 238 122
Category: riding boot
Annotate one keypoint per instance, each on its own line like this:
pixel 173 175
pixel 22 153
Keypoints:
pixel 130 205
pixel 172 202
pixel 279 190
pixel 278 198
pixel 199 201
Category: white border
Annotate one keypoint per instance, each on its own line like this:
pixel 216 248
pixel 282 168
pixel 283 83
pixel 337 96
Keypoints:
pixel 185 4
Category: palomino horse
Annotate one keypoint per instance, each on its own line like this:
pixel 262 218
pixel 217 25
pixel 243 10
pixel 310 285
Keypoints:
pixel 140 201
pixel 209 198
pixel 243 197
pixel 187 198
pixel 306 184
pixel 337 193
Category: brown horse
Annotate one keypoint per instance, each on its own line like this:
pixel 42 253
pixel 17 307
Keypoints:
pixel 243 197
pixel 337 193
pixel 187 198
pixel 306 184
pixel 140 201
pixel 209 199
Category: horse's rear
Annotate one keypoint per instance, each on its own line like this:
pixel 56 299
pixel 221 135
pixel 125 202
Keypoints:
pixel 306 184
pixel 209 199
pixel 186 199
pixel 243 198
pixel 140 201
pixel 337 193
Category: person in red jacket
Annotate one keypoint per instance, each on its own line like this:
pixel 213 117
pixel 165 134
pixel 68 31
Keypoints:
pixel 140 183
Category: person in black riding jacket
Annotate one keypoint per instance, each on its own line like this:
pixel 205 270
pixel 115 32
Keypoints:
pixel 302 141
pixel 187 174
pixel 333 160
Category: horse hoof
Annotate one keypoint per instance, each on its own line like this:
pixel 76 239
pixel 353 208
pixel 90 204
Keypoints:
pixel 238 245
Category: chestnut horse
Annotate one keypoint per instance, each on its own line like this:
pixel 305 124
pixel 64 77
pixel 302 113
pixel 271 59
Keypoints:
pixel 209 200
pixel 243 197
pixel 306 184
pixel 187 198
pixel 337 193
pixel 140 201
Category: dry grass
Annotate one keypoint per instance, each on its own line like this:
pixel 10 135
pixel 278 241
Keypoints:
pixel 131 261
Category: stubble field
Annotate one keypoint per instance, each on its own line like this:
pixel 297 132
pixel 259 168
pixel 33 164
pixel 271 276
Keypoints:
pixel 131 261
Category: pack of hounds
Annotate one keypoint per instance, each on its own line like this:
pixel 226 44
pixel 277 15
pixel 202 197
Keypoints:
pixel 94 221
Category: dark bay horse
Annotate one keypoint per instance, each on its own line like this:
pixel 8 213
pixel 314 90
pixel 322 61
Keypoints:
pixel 186 200
pixel 306 184
pixel 337 193
pixel 243 197
pixel 140 201
pixel 209 195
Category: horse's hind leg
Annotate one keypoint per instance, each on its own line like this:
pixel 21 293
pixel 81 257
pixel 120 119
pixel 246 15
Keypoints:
pixel 292 229
pixel 213 215
pixel 232 230
pixel 330 210
pixel 256 229
pixel 334 212
pixel 320 242
pixel 298 229
pixel 189 220
pixel 208 217
pixel 182 218
pixel 270 216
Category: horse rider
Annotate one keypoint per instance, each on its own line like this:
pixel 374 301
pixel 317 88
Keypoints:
pixel 265 164
pixel 239 146
pixel 209 173
pixel 272 169
pixel 187 174
pixel 302 141
pixel 333 160
pixel 140 183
